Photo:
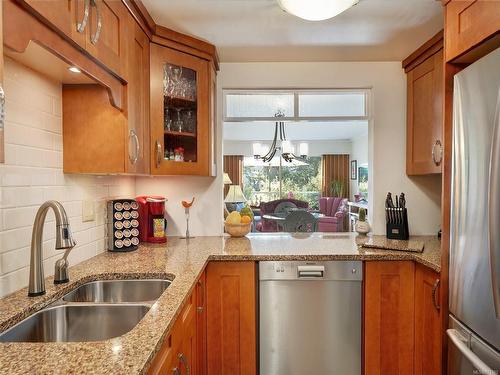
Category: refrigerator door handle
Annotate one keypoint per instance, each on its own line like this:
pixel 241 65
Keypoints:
pixel 494 210
pixel 476 362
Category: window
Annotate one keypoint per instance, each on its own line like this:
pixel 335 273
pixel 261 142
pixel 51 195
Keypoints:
pixel 258 104
pixel 303 105
pixel 264 182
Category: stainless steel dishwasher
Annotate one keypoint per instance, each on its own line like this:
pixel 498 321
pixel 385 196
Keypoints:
pixel 310 317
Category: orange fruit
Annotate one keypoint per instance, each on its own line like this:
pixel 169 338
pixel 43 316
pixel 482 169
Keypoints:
pixel 245 219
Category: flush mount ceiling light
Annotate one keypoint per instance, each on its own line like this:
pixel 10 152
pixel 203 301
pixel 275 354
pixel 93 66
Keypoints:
pixel 74 69
pixel 316 10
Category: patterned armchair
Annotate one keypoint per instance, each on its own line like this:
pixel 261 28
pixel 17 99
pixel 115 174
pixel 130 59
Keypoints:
pixel 278 205
pixel 334 209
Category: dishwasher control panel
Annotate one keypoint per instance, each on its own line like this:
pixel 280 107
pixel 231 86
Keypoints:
pixel 311 270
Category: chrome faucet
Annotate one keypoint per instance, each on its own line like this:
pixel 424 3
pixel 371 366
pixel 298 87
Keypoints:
pixel 64 241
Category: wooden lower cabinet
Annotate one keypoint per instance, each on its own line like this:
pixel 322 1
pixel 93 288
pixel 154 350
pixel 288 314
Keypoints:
pixel 179 353
pixel 428 335
pixel 389 318
pixel 167 361
pixel 216 330
pixel 231 317
pixel 201 324
pixel 402 319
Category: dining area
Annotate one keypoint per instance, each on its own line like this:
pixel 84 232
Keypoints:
pixel 292 215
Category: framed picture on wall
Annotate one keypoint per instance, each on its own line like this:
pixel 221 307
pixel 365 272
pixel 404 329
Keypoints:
pixel 354 169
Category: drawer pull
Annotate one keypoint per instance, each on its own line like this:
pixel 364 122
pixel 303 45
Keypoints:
pixel 95 38
pixel 184 361
pixel 310 271
pixel 80 26
pixel 437 153
pixel 434 300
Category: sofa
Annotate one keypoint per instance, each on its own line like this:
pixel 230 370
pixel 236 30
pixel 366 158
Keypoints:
pixel 276 206
pixel 335 211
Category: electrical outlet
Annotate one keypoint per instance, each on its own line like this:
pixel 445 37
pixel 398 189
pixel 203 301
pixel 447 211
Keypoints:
pixel 88 211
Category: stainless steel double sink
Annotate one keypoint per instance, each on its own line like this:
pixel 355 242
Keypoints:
pixel 97 310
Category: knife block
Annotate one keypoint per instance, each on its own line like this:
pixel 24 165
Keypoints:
pixel 397 223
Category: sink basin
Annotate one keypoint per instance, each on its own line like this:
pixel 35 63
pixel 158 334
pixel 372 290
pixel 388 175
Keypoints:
pixel 68 323
pixel 118 291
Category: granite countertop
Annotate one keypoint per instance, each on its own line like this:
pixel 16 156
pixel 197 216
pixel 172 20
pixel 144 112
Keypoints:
pixel 181 261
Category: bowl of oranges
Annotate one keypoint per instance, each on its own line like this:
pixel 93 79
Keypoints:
pixel 238 224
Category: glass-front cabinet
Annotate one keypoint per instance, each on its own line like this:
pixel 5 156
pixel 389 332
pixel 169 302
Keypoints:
pixel 180 115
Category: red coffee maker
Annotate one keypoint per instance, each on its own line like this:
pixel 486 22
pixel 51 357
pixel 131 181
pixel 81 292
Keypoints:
pixel 152 223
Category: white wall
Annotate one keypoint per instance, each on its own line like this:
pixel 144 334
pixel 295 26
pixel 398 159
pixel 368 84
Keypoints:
pixel 206 213
pixel 359 152
pixel 33 174
pixel 387 128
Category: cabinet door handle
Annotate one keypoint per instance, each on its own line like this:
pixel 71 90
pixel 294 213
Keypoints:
pixel 184 361
pixel 175 371
pixel 434 300
pixel 94 38
pixel 133 136
pixel 80 26
pixel 158 154
pixel 437 152
pixel 202 288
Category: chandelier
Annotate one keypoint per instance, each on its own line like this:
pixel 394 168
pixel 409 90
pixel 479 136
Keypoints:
pixel 280 145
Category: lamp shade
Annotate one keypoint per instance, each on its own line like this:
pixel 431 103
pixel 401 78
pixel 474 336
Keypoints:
pixel 316 10
pixel 257 149
pixel 227 180
pixel 235 195
pixel 287 147
pixel 303 149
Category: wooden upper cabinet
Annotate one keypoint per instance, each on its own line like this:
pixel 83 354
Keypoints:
pixel 428 333
pixel 389 318
pixel 68 16
pixel 469 23
pixel 137 136
pixel 213 121
pixel 231 317
pixel 98 26
pixel 106 35
pixel 180 115
pixel 93 131
pixel 425 102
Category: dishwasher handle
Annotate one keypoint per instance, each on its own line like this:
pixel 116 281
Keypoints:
pixel 310 271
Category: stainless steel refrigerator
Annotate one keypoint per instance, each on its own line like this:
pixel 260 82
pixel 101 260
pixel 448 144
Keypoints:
pixel 474 328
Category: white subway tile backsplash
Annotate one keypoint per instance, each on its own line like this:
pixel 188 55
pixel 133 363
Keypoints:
pixel 33 174
pixel 28 136
pixel 18 217
pixel 22 196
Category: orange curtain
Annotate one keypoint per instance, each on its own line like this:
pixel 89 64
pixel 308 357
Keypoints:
pixel 233 166
pixel 335 168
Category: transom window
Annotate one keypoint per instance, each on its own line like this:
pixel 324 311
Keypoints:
pixel 296 105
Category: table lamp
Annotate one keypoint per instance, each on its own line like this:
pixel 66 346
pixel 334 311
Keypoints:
pixel 227 180
pixel 235 195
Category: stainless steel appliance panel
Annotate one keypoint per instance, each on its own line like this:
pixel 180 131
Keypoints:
pixel 310 318
pixel 474 247
pixel 468 354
